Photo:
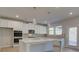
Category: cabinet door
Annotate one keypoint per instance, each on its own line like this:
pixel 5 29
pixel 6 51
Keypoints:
pixel 25 28
pixel 44 30
pixel 16 25
pixel 40 29
pixel 10 24
pixel 36 29
pixel 31 26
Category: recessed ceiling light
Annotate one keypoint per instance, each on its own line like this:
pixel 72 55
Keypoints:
pixel 70 13
pixel 17 16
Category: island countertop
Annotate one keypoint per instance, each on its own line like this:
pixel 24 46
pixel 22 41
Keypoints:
pixel 39 39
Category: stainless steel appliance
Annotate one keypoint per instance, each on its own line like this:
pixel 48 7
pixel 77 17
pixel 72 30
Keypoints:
pixel 17 36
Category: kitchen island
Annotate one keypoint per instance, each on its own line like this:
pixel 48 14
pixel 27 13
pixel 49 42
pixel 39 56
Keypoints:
pixel 40 44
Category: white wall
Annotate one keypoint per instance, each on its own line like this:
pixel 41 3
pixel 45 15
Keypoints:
pixel 17 25
pixel 66 25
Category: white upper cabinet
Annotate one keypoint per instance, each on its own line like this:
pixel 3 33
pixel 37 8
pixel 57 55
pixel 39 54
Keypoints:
pixel 11 24
pixel 40 29
pixel 44 29
pixel 31 26
pixel 36 29
pixel 25 28
pixel 16 25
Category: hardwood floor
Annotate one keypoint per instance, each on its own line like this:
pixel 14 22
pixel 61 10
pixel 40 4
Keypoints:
pixel 9 49
pixel 16 49
pixel 56 49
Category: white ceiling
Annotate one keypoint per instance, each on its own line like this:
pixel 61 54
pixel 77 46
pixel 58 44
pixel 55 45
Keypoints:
pixel 41 14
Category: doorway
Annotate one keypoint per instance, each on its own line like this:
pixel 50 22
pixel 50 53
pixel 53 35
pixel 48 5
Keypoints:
pixel 72 37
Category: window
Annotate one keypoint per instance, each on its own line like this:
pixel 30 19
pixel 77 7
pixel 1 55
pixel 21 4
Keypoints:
pixel 51 31
pixel 58 30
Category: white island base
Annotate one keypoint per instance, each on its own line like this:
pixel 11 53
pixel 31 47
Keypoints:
pixel 39 44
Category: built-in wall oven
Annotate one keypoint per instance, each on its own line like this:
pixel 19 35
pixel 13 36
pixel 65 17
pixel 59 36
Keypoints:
pixel 17 36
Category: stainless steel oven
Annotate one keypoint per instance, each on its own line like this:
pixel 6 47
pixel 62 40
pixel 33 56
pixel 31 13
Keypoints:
pixel 17 36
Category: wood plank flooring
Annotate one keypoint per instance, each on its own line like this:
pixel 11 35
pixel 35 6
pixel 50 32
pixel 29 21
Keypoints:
pixel 16 49
pixel 9 49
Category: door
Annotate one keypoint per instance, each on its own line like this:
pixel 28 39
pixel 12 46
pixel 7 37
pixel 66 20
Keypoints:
pixel 73 36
